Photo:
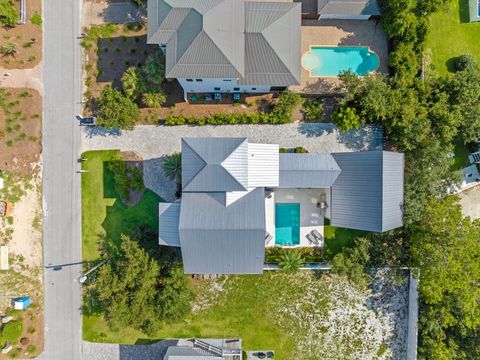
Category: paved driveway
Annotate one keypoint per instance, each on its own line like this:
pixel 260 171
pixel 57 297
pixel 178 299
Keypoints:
pixel 61 183
pixel 153 143
pixel 117 13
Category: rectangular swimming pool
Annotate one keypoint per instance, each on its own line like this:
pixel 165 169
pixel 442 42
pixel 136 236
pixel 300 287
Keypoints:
pixel 333 60
pixel 287 224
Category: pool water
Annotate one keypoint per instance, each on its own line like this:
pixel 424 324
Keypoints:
pixel 331 61
pixel 287 224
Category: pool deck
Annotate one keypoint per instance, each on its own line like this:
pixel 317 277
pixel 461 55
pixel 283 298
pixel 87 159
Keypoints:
pixel 311 216
pixel 368 33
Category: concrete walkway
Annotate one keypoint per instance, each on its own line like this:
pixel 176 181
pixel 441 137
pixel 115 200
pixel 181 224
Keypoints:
pixel 153 143
pixel 22 78
pixel 117 13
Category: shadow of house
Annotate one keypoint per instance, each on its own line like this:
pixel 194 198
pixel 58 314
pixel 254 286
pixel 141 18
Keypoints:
pixel 155 351
pixel 122 13
pixel 155 179
pixel 117 54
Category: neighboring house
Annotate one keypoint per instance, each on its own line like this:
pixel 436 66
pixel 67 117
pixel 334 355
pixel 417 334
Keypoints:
pixel 339 9
pixel 205 349
pixel 228 45
pixel 474 10
pixel 239 197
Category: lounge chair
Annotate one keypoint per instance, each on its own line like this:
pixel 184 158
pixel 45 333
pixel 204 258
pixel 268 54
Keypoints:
pixel 312 239
pixel 318 237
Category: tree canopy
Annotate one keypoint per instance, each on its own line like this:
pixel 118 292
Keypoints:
pixel 446 249
pixel 136 290
pixel 115 110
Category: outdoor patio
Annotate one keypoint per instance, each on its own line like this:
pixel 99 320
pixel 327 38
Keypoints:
pixel 311 216
pixel 339 33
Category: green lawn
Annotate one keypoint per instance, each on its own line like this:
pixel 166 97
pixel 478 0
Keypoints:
pixel 103 213
pixel 245 312
pixel 461 154
pixel 336 238
pixel 452 35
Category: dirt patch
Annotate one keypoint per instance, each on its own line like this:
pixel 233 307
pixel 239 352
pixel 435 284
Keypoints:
pixel 27 39
pixel 133 160
pixel 20 130
pixel 22 234
pixel 108 58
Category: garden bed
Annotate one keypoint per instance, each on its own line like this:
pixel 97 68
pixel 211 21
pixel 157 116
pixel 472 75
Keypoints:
pixel 20 130
pixel 27 39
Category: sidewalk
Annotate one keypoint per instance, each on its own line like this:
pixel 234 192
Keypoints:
pixel 23 78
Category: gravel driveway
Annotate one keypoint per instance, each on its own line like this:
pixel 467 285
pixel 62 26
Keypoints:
pixel 153 143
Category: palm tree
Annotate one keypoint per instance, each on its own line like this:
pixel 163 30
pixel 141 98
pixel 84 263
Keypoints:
pixel 154 99
pixel 172 168
pixel 132 82
pixel 290 261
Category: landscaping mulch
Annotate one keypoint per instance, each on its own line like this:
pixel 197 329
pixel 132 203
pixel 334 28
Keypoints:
pixel 27 37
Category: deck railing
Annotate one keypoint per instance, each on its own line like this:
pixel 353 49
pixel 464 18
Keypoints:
pixel 215 349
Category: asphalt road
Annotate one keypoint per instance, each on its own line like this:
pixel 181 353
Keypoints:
pixel 61 183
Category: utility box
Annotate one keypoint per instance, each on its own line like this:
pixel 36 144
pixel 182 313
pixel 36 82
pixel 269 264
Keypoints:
pixel 22 303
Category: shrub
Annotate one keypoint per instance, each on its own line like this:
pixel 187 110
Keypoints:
pixel 115 110
pixel 154 99
pixel 281 114
pixel 36 19
pixel 290 261
pixel 12 331
pixel 8 49
pixel 352 261
pixel 282 150
pixel 8 14
pixel 346 118
pixel 465 62
pixel 286 104
pixel 154 68
pixel 31 349
pixel 125 178
pixel 300 150
pixel 313 109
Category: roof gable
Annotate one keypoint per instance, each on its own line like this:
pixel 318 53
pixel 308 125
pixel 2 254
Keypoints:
pixel 218 165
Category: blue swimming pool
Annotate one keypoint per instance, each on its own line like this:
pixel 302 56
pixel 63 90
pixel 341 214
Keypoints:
pixel 331 61
pixel 287 224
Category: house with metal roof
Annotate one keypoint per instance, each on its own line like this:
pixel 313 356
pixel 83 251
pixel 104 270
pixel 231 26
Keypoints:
pixel 228 45
pixel 240 197
pixel 339 9
pixel 205 349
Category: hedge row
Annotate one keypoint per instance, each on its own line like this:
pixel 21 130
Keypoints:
pixel 280 114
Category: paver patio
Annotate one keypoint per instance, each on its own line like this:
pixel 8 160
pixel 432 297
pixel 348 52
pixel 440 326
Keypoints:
pixel 154 143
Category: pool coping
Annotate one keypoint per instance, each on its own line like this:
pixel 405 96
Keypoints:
pixel 338 46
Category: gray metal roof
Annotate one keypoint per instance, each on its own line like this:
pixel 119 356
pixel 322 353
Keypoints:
pixel 186 353
pixel 169 214
pixel 258 43
pixel 216 239
pixel 308 170
pixel 368 193
pixel 272 44
pixel 214 165
pixel 348 7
